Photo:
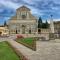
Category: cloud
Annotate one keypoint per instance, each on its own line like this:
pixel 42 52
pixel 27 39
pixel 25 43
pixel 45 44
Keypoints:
pixel 9 4
pixel 38 8
pixel 56 20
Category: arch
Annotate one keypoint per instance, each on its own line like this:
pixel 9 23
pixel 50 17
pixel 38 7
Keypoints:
pixel 39 31
pixel 0 33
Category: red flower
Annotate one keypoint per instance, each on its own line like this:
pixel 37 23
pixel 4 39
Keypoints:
pixel 20 36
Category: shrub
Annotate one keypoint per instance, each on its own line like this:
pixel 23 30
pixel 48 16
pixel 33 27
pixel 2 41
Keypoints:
pixel 20 36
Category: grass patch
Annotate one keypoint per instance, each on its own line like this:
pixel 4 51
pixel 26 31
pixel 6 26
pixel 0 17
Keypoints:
pixel 6 52
pixel 29 42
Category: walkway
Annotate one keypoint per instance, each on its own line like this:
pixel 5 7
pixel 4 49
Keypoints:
pixel 45 50
pixel 24 50
pixel 3 39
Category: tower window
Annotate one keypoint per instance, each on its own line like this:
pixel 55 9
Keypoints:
pixel 23 16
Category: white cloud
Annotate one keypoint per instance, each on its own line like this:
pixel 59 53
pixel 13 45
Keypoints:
pixel 29 1
pixel 55 8
pixel 56 1
pixel 56 19
pixel 36 12
pixel 9 4
pixel 34 5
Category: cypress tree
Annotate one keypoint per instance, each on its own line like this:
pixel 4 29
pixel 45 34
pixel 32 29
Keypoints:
pixel 5 23
pixel 47 25
pixel 40 22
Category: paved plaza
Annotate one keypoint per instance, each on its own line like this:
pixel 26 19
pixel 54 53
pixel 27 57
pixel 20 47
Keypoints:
pixel 46 50
pixel 26 23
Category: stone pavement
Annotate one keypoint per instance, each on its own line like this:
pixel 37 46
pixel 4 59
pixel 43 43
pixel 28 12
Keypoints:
pixel 24 50
pixel 48 50
pixel 3 39
pixel 45 50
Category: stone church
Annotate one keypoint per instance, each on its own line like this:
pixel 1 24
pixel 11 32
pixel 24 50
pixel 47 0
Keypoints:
pixel 23 22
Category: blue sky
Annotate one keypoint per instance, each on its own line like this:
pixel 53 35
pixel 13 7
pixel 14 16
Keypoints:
pixel 43 8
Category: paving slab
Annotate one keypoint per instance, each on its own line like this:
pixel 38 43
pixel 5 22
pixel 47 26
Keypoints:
pixel 45 50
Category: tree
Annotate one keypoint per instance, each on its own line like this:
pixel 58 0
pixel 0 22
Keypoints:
pixel 40 22
pixel 5 23
pixel 45 25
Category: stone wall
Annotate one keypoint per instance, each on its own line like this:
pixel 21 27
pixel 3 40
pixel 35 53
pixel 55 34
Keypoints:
pixel 45 31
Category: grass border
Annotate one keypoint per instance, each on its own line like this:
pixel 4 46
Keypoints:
pixel 19 54
pixel 11 48
pixel 33 47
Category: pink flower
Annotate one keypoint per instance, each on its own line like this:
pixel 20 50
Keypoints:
pixel 20 36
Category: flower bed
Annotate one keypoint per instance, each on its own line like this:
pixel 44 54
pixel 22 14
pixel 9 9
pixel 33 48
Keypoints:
pixel 19 36
pixel 28 42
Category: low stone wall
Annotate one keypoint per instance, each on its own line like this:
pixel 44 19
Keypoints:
pixel 20 55
pixel 45 30
pixel 45 35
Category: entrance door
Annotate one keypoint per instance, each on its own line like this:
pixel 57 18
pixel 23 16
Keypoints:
pixel 39 31
pixel 16 32
pixel 29 31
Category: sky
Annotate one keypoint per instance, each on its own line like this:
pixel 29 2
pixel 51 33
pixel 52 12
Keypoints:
pixel 43 8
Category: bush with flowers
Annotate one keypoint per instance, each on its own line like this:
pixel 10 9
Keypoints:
pixel 19 36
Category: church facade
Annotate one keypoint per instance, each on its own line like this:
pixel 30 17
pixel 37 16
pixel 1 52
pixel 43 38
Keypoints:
pixel 23 23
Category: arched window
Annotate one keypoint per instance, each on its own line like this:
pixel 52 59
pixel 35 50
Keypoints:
pixel 23 16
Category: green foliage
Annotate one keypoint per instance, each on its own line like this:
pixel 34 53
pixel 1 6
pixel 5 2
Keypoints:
pixel 41 24
pixel 28 41
pixel 5 23
pixel 45 25
pixel 6 52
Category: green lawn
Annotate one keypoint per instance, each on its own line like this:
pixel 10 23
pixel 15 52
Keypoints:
pixel 29 42
pixel 6 52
